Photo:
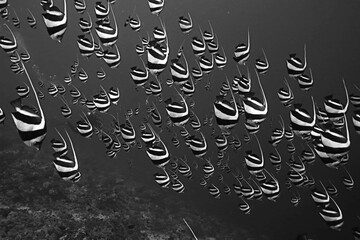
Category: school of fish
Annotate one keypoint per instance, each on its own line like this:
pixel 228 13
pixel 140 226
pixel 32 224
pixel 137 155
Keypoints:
pixel 323 131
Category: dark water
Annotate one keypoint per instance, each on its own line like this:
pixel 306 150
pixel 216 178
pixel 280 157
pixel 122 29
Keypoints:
pixel 330 30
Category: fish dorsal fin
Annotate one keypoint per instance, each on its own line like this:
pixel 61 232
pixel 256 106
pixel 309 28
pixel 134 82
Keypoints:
pixel 248 40
pixel 73 150
pixel 347 97
pixel 305 60
pixel 36 96
pixel 62 138
pixel 261 152
pixel 263 93
pixel 112 12
pixel 12 34
pixel 314 111
pixel 266 60
pixel 65 9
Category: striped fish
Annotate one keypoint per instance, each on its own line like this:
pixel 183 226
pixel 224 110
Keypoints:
pixel 221 60
pixel 305 82
pixel 159 155
pixel 75 93
pixel 179 73
pixel 262 66
pixel 321 198
pixel 112 59
pixel 52 90
pixel 156 87
pixel 277 134
pixel 209 36
pixel 114 95
pixel 221 142
pixel 8 45
pixel 295 67
pixel 148 137
pixel 276 160
pixel 253 163
pixel 355 99
pixel 184 169
pixel 107 34
pixel 163 179
pixel 176 185
pixel 198 146
pixel 175 141
pixel 195 122
pixel 256 111
pixel 159 35
pixel 59 146
pixel 196 73
pixel 23 92
pixel 80 6
pixel 85 25
pixel 331 189
pixel 156 6
pixel 185 24
pixel 242 51
pixel 16 20
pixel 128 132
pixel 178 113
pixel 139 76
pixel 101 12
pixel 348 181
pixel 244 206
pixel 286 97
pixel 214 191
pixel 157 56
pixel 156 116
pixel 65 109
pixel 334 108
pixel 25 56
pixel 321 152
pixel 4 14
pixel 135 24
pixel 332 215
pixel 242 83
pixel 101 74
pixel 301 121
pixel 213 45
pixel 85 127
pixel 86 46
pixel 15 57
pixel 205 64
pixel 55 21
pixel 68 169
pixel 30 125
pixel 102 101
pixel 31 20
pixel 3 4
pixel 356 121
pixel 83 76
pixel 227 116
pixel 188 88
pixel 271 187
pixel 198 45
pixel 208 169
pixel 2 116
pixel 335 144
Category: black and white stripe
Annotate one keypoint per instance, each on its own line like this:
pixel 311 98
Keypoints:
pixel 55 21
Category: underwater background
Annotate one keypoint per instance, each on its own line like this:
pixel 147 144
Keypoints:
pixel 118 198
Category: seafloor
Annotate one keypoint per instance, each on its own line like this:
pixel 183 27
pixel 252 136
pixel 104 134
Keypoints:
pixel 36 204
